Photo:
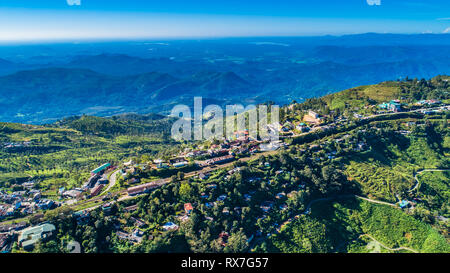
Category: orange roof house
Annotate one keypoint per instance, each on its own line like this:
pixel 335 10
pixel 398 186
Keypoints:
pixel 188 207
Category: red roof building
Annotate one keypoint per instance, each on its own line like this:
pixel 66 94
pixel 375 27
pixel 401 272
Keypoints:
pixel 188 208
pixel 97 189
pixel 142 188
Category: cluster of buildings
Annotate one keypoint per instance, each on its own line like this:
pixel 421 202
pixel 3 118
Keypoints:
pixel 26 237
pixel 312 117
pixel 23 202
pixel 302 127
pixel 30 236
pixel 170 226
pixel 216 154
pixel 135 237
pixel 94 184
pixel 136 234
pixel 392 106
pixel 14 227
pixel 271 146
pixel 227 150
pixel 157 164
pixel 29 200
pixel 188 207
pixel 266 206
pixel 5 242
pixel 9 145
pixel 177 162
pixel 428 102
pixel 239 146
pixel 396 105
pixel 359 144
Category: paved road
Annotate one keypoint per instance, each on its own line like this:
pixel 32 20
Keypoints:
pixel 226 165
pixel 411 111
pixel 426 170
pixel 208 169
pixel 371 117
pixel 112 180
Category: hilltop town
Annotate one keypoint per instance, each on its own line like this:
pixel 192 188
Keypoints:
pixel 243 191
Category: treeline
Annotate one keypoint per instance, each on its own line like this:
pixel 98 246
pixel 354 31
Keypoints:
pixel 119 125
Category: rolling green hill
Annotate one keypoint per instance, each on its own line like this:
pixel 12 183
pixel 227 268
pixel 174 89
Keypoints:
pixel 63 153
pixel 409 91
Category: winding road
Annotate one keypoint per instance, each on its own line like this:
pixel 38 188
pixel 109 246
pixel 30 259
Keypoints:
pixel 422 171
pixel 112 180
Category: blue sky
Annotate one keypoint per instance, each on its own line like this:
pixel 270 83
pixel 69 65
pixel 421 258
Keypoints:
pixel 25 20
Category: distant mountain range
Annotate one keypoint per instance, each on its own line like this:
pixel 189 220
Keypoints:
pixel 41 89
pixel 59 92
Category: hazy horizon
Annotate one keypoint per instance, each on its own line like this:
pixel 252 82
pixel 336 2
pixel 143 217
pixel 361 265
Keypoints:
pixel 64 20
pixel 193 38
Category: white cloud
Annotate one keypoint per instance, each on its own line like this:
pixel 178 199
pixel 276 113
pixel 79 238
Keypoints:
pixel 447 30
pixel 443 19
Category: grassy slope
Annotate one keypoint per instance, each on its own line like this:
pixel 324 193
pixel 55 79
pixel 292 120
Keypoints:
pixel 389 167
pixel 357 97
pixel 382 92
pixel 345 221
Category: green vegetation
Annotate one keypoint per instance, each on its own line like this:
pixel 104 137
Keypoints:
pixel 298 199
pixel 409 90
pixel 435 188
pixel 389 167
pixel 340 226
pixel 305 235
pixel 64 153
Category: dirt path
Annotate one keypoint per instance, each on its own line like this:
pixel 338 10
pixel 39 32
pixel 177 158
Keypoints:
pixel 376 201
pixel 386 247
